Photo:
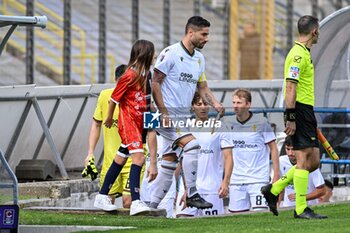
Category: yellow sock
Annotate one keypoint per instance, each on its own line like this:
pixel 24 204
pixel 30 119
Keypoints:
pixel 280 184
pixel 301 178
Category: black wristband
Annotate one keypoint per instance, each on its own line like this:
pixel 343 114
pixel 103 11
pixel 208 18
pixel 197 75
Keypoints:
pixel 289 114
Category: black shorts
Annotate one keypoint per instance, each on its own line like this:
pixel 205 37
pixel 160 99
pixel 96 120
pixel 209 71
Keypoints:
pixel 306 134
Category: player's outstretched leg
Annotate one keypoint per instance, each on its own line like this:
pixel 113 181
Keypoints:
pixel 309 214
pixel 270 198
pixel 271 191
pixel 190 164
pixel 102 200
pixel 300 186
pixel 198 202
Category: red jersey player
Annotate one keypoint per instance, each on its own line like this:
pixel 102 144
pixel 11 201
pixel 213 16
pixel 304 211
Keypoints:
pixel 130 94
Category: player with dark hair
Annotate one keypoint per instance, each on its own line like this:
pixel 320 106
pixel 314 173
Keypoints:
pixel 178 73
pixel 300 121
pixel 130 94
pixel 316 184
pixel 111 143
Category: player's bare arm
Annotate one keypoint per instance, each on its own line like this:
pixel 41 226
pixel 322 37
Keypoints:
pixel 152 171
pixel 228 166
pixel 290 104
pixel 109 120
pixel 275 161
pixel 318 192
pixel 157 80
pixel 94 136
pixel 280 199
pixel 208 96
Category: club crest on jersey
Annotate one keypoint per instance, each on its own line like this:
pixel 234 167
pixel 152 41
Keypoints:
pixel 294 72
pixel 199 62
pixel 254 128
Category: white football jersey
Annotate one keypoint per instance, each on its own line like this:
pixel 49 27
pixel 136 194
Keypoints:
pixel 251 153
pixel 315 180
pixel 183 72
pixel 210 160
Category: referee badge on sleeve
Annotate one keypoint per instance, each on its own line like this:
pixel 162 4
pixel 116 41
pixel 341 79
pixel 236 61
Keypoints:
pixel 294 72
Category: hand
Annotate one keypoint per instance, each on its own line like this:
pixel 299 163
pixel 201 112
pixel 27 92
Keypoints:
pixel 152 172
pixel 223 190
pixel 88 157
pixel 108 122
pixel 290 128
pixel 291 197
pixel 220 108
pixel 183 201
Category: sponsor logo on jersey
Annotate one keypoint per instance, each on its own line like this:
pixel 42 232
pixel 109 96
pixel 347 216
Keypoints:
pixel 185 77
pixel 294 72
pixel 297 59
pixel 206 151
pixel 243 145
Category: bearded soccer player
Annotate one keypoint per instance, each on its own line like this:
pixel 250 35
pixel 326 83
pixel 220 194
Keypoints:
pixel 178 72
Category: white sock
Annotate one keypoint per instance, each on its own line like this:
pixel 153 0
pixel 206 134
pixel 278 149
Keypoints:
pixel 189 166
pixel 162 183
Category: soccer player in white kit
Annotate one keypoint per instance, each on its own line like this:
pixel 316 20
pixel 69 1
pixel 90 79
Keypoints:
pixel 214 163
pixel 178 72
pixel 253 140
pixel 316 185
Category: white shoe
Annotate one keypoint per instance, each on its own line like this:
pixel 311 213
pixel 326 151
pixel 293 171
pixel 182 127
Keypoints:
pixel 138 207
pixel 104 202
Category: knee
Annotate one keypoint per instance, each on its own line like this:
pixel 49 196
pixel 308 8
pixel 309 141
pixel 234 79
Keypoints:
pixel 314 165
pixel 120 160
pixel 170 165
pixel 191 145
pixel 171 157
pixel 138 159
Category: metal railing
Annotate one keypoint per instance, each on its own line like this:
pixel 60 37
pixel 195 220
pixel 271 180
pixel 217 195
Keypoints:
pixel 50 50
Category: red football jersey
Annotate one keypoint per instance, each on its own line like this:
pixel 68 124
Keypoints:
pixel 132 105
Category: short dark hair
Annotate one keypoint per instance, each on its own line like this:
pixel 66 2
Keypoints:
pixel 328 184
pixel 196 22
pixel 119 71
pixel 196 98
pixel 288 141
pixel 306 24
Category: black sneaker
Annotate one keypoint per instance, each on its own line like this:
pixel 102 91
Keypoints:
pixel 309 214
pixel 198 202
pixel 270 198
